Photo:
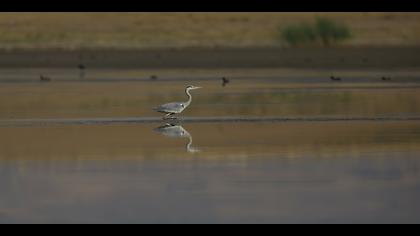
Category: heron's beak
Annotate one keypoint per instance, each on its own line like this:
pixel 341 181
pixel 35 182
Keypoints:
pixel 198 87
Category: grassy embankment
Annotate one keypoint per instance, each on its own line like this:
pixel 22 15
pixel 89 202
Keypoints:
pixel 161 30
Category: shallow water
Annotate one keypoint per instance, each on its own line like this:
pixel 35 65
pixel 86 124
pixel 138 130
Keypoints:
pixel 240 98
pixel 318 166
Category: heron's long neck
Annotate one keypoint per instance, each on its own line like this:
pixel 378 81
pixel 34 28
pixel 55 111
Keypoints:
pixel 187 91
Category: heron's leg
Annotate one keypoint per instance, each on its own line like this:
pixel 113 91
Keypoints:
pixel 172 117
pixel 169 116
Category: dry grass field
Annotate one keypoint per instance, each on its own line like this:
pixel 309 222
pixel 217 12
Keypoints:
pixel 163 30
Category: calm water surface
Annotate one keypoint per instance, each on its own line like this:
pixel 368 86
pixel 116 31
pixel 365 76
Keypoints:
pixel 243 172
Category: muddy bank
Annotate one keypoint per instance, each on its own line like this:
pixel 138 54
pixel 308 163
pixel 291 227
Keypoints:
pixel 313 58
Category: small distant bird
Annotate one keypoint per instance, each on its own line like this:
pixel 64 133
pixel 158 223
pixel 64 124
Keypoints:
pixel 333 78
pixel 81 66
pixel 44 78
pixel 82 69
pixel 153 77
pixel 225 81
pixel 173 108
pixel 386 78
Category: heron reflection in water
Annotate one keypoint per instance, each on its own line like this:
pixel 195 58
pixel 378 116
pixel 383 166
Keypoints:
pixel 177 131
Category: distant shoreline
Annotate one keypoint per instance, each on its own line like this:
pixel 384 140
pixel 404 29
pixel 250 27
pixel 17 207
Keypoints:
pixel 256 57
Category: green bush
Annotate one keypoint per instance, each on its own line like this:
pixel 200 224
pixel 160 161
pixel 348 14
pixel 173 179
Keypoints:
pixel 324 30
pixel 329 31
pixel 299 34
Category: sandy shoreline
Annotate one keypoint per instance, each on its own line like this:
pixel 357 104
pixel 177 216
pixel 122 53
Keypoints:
pixel 300 58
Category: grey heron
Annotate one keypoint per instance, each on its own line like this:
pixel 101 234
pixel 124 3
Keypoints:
pixel 173 108
pixel 177 131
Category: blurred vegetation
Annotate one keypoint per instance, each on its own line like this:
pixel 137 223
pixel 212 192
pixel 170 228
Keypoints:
pixel 329 31
pixel 324 30
pixel 298 34
pixel 69 30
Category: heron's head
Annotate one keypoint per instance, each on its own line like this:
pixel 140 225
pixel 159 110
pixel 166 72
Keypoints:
pixel 191 87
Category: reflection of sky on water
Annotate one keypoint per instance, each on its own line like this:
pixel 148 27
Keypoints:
pixel 374 189
pixel 285 172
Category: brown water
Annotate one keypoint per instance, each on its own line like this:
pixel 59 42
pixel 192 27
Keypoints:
pixel 245 98
pixel 290 171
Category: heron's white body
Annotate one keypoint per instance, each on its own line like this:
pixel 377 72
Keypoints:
pixel 173 107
